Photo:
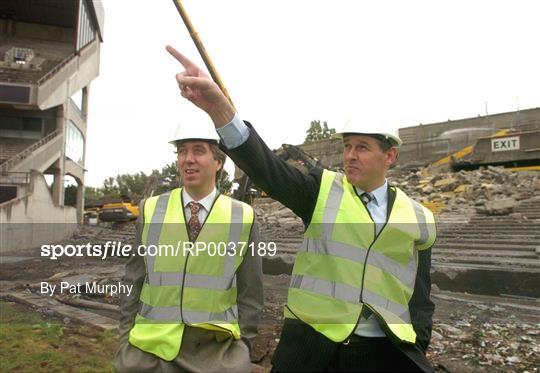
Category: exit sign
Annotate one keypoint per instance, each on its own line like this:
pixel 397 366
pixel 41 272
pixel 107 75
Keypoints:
pixel 502 144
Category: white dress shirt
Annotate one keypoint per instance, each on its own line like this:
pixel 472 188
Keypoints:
pixel 206 203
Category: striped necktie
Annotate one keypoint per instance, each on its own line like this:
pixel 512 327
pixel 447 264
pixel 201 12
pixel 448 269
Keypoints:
pixel 366 197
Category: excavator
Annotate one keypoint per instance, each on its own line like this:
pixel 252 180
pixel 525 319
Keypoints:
pixel 127 209
pixel 291 154
pixel 122 211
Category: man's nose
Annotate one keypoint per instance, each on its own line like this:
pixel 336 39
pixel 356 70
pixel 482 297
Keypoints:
pixel 190 157
pixel 349 155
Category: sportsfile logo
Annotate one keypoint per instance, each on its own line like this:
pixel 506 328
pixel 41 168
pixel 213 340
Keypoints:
pixel 116 248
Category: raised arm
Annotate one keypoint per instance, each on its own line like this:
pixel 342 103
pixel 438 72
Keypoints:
pixel 280 180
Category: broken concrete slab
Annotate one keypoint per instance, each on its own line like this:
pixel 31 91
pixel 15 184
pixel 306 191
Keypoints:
pixel 502 206
pixel 447 184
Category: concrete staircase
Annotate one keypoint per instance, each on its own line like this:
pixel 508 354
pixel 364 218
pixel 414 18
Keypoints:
pixel 495 255
pixel 508 242
pixel 38 156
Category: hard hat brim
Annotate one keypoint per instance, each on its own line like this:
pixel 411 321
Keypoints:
pixel 396 141
pixel 176 142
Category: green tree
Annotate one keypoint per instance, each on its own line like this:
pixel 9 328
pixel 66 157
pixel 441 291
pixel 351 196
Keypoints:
pixel 224 183
pixel 316 132
pixel 70 195
pixel 131 184
pixel 92 194
pixel 110 188
pixel 134 186
pixel 327 132
pixel 166 179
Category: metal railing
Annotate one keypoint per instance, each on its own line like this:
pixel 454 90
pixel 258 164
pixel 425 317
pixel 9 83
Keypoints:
pixel 17 158
pixel 63 63
pixel 55 69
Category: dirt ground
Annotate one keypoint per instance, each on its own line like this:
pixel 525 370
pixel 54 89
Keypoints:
pixel 472 333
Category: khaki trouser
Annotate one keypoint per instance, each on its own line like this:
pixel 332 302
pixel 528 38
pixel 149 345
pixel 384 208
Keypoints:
pixel 201 351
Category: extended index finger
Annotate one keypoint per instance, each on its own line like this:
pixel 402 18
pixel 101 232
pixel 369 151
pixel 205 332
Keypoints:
pixel 180 57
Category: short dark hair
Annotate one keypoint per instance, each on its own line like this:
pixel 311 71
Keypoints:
pixel 218 156
pixel 385 144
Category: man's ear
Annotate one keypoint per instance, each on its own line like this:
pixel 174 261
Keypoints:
pixel 392 156
pixel 220 164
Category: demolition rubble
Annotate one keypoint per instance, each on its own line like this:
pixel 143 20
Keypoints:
pixel 491 191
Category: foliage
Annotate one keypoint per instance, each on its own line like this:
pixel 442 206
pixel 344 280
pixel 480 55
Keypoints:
pixel 224 183
pixel 70 195
pixel 316 132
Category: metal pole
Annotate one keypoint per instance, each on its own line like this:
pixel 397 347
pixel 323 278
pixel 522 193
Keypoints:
pixel 200 47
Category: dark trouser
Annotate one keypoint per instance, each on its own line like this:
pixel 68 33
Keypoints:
pixel 364 354
pixel 302 349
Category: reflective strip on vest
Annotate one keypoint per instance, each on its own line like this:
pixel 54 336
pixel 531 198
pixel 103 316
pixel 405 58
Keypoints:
pixel 347 293
pixel 332 206
pixel 173 314
pixel 420 216
pixel 357 254
pixel 426 222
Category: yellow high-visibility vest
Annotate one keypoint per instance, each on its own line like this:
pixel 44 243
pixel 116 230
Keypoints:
pixel 343 265
pixel 183 287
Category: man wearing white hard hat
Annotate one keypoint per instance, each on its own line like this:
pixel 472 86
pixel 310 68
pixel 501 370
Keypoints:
pixel 359 293
pixel 196 302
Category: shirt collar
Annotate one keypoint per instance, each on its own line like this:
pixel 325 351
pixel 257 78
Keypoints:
pixel 380 194
pixel 206 202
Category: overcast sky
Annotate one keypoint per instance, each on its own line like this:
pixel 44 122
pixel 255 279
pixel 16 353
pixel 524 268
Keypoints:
pixel 392 63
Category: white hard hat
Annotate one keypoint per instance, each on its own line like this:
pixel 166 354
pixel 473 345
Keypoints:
pixel 195 131
pixel 355 126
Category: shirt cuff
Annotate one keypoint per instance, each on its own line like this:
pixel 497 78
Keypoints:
pixel 233 134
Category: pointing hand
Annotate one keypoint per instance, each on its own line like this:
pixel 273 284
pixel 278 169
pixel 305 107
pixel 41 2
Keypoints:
pixel 196 86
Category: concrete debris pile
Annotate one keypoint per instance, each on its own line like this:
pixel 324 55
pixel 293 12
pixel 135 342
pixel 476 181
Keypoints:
pixel 119 232
pixel 492 191
pixel 475 340
pixel 277 222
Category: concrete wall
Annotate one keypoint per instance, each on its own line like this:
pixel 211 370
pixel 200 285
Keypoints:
pixel 33 220
pixel 427 143
pixel 328 152
pixel 529 149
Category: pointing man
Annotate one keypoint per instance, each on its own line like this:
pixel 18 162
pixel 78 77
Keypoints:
pixel 192 310
pixel 359 293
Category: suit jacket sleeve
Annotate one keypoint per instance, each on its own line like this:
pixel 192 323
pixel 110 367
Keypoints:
pixel 280 180
pixel 135 275
pixel 420 305
pixel 249 297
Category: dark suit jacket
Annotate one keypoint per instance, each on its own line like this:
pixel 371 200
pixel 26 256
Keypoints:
pixel 300 347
